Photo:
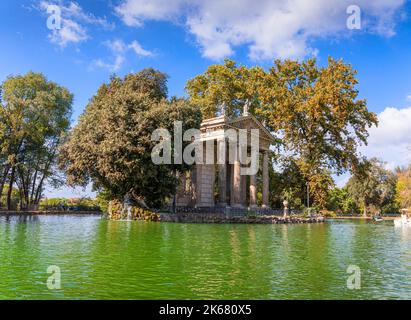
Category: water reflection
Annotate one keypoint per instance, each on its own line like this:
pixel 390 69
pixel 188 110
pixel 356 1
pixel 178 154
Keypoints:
pixel 102 259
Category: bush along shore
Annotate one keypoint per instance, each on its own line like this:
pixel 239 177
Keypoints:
pixel 116 211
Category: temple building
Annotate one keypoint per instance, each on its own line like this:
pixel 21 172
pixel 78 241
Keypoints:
pixel 221 185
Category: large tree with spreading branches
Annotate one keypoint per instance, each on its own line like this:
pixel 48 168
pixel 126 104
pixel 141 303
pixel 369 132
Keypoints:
pixel 111 144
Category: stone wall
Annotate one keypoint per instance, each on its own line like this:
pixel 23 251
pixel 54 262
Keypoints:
pixel 222 218
pixel 231 211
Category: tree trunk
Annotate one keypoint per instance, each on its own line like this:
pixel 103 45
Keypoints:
pixel 45 175
pixel 22 189
pixel 3 181
pixel 21 198
pixel 11 183
pixel 33 186
pixel 27 189
pixel 13 171
pixel 38 192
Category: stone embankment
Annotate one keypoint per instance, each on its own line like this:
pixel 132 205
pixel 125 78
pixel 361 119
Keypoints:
pixel 221 218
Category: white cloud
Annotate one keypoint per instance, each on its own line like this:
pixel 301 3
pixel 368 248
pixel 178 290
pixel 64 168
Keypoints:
pixel 391 140
pixel 73 22
pixel 270 28
pixel 74 11
pixel 119 50
pixel 70 31
pixel 138 49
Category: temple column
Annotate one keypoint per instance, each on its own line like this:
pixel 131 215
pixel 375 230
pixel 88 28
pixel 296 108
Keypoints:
pixel 266 181
pixel 222 172
pixel 183 181
pixel 236 191
pixel 193 186
pixel 253 191
pixel 244 201
pixel 205 184
pixel 197 184
pixel 244 190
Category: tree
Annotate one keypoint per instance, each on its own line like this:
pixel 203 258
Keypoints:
pixel 313 110
pixel 403 187
pixel 373 186
pixel 287 183
pixel 340 201
pixel 34 114
pixel 111 144
pixel 226 83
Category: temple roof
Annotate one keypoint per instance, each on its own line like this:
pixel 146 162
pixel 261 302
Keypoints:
pixel 252 120
pixel 247 121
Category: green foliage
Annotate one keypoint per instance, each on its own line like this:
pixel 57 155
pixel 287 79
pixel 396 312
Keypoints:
pixel 14 199
pixel 72 204
pixel 103 199
pixel 289 183
pixel 373 186
pixel 341 202
pixel 228 83
pixel 34 114
pixel 403 187
pixel 111 144
pixel 116 212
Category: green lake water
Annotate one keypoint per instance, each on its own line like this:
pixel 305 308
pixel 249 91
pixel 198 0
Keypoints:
pixel 100 259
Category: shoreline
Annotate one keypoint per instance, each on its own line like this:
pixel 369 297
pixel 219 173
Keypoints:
pixel 201 218
pixel 208 218
pixel 32 213
pixel 385 218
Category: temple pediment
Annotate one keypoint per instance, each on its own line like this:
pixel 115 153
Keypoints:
pixel 215 128
pixel 250 122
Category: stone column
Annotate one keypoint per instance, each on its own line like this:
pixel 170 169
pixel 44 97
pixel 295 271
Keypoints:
pixel 222 173
pixel 197 184
pixel 205 184
pixel 236 191
pixel 244 200
pixel 183 181
pixel 244 190
pixel 253 191
pixel 265 180
pixel 193 186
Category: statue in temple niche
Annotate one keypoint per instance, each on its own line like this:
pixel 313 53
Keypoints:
pixel 223 108
pixel 246 108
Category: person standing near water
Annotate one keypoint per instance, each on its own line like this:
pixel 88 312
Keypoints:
pixel 404 215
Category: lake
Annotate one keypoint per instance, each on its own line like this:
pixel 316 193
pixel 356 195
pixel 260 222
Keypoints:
pixel 100 259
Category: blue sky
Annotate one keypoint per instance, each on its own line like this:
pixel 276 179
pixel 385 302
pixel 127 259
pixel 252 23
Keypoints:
pixel 180 37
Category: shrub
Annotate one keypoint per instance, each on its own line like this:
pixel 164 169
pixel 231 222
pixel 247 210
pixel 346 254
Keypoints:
pixel 116 212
